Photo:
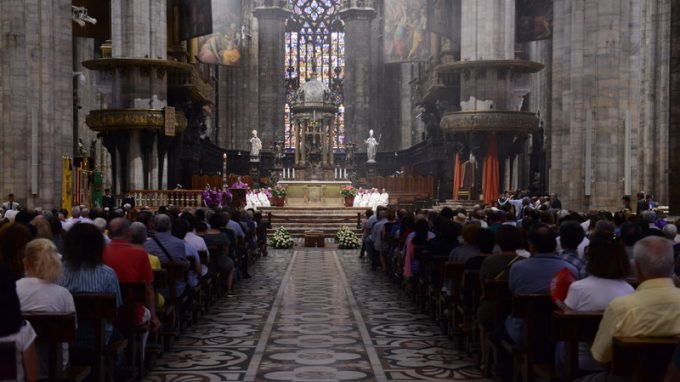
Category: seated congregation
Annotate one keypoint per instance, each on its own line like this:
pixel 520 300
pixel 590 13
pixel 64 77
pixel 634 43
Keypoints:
pixel 541 292
pixel 103 294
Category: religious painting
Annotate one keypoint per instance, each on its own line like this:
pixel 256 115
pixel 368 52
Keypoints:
pixel 439 17
pixel 223 46
pixel 195 18
pixel 406 37
pixel 534 20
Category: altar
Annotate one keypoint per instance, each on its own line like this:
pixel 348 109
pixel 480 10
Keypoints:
pixel 314 193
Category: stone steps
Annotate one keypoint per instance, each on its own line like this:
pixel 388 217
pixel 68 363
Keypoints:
pixel 298 220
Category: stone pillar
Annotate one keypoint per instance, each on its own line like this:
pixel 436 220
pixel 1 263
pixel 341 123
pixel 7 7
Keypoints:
pixel 139 30
pixel 674 128
pixel 611 88
pixel 36 81
pixel 271 40
pixel 357 16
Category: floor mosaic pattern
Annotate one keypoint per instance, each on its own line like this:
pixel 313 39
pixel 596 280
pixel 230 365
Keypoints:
pixel 314 315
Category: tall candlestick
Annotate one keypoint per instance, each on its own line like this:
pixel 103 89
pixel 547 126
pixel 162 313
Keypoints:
pixel 224 168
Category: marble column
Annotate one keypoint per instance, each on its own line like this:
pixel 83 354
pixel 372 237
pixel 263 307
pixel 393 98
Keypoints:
pixel 674 128
pixel 36 81
pixel 357 16
pixel 271 52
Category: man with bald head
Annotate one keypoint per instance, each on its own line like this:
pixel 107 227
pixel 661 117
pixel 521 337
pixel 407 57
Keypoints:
pixel 653 310
pixel 131 265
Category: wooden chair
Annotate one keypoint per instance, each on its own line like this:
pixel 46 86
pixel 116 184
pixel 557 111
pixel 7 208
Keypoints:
pixel 206 283
pixel 454 278
pixel 134 294
pixel 572 328
pixel 167 315
pixel 8 361
pixel 642 358
pixel 53 330
pixel 437 282
pixel 93 312
pixel 471 289
pixel 536 353
pixel 498 293
pixel 176 272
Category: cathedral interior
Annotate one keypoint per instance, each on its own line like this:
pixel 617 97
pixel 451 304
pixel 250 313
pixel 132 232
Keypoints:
pixel 339 190
pixel 575 98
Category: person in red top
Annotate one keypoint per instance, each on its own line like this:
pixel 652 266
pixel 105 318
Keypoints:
pixel 131 265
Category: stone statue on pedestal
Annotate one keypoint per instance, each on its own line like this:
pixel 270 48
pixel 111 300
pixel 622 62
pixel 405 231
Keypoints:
pixel 372 148
pixel 255 147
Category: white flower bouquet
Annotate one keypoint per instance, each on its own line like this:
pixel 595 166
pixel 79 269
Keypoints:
pixel 282 239
pixel 345 238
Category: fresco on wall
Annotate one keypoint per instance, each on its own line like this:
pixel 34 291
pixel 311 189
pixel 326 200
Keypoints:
pixel 223 46
pixel 534 20
pixel 406 35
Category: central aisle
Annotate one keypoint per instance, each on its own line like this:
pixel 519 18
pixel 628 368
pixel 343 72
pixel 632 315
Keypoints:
pixel 314 315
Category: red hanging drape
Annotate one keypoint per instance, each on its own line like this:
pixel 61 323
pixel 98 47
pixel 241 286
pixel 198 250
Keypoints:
pixel 457 174
pixel 491 173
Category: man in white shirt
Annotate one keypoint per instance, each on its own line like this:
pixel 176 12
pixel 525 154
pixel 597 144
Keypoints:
pixel 10 204
pixel 75 218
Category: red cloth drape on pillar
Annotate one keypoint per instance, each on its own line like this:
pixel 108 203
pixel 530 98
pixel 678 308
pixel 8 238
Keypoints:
pixel 491 173
pixel 457 174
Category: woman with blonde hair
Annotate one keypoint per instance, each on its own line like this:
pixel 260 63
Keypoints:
pixel 38 292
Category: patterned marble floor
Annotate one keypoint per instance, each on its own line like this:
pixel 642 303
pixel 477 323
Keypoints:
pixel 314 315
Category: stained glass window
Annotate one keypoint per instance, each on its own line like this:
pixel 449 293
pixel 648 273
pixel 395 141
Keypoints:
pixel 315 41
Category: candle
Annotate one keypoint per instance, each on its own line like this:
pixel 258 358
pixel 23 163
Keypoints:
pixel 293 174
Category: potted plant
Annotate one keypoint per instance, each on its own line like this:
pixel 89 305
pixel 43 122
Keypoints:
pixel 278 198
pixel 349 193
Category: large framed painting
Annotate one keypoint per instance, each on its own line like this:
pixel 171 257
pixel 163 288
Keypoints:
pixel 406 34
pixel 223 46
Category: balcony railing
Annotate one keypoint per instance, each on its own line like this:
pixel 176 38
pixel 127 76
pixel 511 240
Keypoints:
pixel 157 198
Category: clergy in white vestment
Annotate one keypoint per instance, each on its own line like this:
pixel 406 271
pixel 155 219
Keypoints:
pixel 384 198
pixel 263 199
pixel 373 199
pixel 357 198
pixel 365 196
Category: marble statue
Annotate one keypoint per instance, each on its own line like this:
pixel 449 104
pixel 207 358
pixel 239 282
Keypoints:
pixel 255 147
pixel 372 148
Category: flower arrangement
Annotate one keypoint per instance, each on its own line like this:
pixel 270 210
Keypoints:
pixel 282 239
pixel 345 238
pixel 348 192
pixel 279 192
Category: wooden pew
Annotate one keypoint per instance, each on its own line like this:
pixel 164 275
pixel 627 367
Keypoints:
pixel 642 358
pixel 53 330
pixel 176 272
pixel 535 310
pixel 93 311
pixel 133 294
pixel 572 328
